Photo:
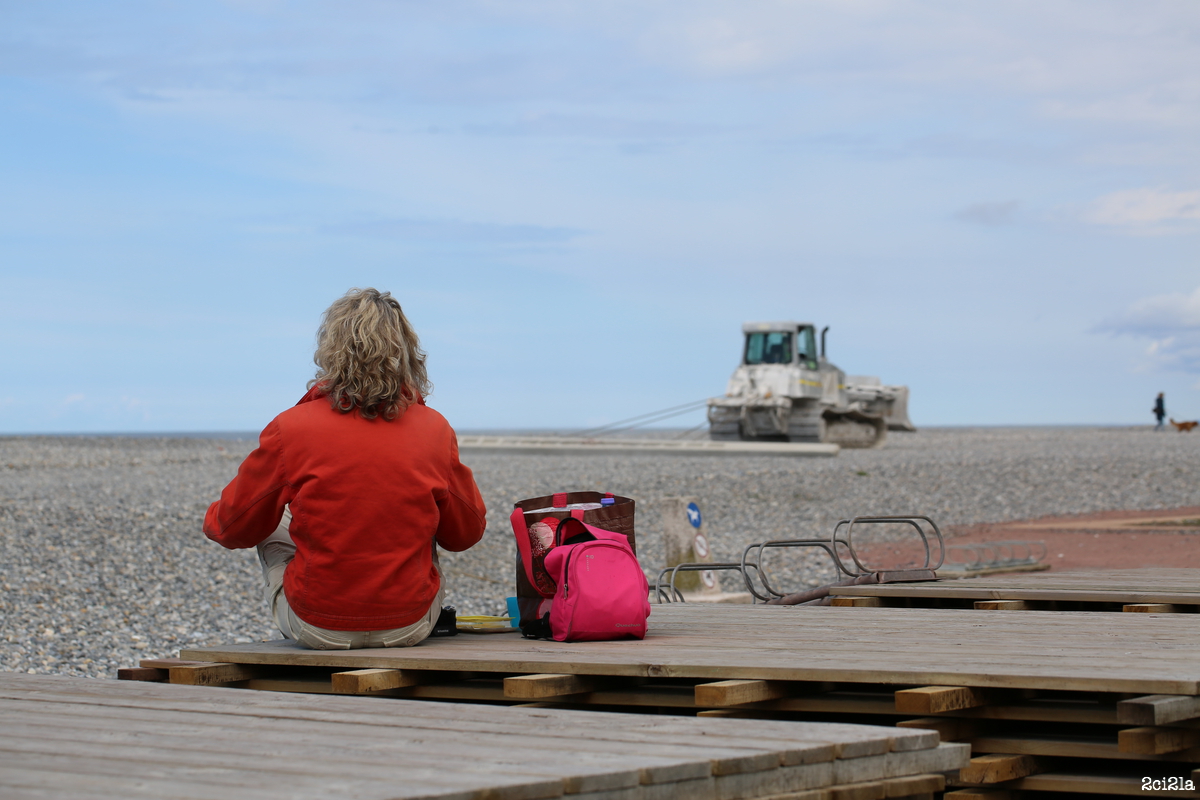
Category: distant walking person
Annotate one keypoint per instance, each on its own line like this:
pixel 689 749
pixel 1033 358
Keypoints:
pixel 1160 411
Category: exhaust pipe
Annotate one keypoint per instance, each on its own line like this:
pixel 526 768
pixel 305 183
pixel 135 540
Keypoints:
pixel 824 331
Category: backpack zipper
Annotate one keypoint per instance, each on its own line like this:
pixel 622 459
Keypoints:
pixel 567 575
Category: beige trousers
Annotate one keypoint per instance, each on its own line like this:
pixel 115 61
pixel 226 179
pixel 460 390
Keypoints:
pixel 277 551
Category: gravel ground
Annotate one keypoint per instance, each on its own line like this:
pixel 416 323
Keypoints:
pixel 102 561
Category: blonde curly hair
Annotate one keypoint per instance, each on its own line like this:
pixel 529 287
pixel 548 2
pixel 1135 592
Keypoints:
pixel 368 356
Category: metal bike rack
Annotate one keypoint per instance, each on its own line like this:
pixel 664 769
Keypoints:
pixel 839 547
pixel 671 594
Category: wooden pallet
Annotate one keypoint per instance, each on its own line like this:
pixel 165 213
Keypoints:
pixel 1146 654
pixel 1129 590
pixel 73 737
pixel 1061 691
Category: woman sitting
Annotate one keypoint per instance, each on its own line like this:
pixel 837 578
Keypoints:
pixel 351 490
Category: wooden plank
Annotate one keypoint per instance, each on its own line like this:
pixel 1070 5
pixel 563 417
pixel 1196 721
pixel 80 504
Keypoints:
pixel 810 794
pixel 1085 710
pixel 109 755
pixel 915 784
pixel 938 699
pixel 167 663
pixel 756 774
pixel 1085 784
pixel 872 790
pixel 998 768
pixel 1099 747
pixel 284 684
pixel 469 691
pixel 366 681
pixel 1002 605
pixel 588 769
pixel 798 742
pixel 839 773
pixel 1177 586
pixel 949 729
pixel 737 692
pixel 532 747
pixel 1040 650
pixel 1156 741
pixel 945 757
pixel 1157 709
pixel 851 601
pixel 219 769
pixel 187 738
pixel 213 674
pixel 550 743
pixel 1150 608
pixel 533 687
pixel 142 674
pixel 42 793
pixel 430 747
pixel 978 794
pixel 58 782
pixel 698 788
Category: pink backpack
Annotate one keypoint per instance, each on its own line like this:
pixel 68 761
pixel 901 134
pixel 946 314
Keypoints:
pixel 602 591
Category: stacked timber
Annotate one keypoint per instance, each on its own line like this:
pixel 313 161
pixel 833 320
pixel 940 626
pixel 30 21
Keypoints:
pixel 73 737
pixel 1048 701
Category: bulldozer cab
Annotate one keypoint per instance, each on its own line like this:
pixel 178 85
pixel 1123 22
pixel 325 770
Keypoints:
pixel 797 345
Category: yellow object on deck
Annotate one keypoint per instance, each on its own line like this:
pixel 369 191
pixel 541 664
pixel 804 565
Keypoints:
pixel 485 624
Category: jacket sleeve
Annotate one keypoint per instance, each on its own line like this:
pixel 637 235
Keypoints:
pixel 463 516
pixel 252 504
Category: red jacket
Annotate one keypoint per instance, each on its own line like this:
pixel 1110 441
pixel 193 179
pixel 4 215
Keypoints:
pixel 368 499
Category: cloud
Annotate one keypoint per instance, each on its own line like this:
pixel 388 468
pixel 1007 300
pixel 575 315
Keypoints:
pixel 1146 210
pixel 1172 324
pixel 990 213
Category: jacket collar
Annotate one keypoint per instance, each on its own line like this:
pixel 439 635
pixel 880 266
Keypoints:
pixel 317 392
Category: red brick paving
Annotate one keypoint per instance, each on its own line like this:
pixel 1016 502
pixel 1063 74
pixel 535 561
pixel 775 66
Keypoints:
pixel 1088 541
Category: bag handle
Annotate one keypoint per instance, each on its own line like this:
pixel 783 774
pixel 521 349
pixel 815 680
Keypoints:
pixel 522 532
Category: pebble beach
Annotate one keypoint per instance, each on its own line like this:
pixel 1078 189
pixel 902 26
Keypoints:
pixel 102 561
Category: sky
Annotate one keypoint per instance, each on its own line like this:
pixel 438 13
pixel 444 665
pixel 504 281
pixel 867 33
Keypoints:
pixel 578 204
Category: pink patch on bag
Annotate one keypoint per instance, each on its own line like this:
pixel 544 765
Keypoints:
pixel 541 540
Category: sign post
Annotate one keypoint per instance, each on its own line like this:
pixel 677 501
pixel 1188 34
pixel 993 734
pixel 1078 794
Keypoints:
pixel 686 543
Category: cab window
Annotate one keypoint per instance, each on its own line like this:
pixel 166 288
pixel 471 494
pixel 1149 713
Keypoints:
pixel 806 348
pixel 771 347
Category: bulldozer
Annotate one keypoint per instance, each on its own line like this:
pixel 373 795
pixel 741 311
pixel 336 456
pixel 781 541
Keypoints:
pixel 787 390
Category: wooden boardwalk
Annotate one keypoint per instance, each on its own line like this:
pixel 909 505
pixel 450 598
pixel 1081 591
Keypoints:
pixel 1100 590
pixel 1084 703
pixel 1149 654
pixel 90 739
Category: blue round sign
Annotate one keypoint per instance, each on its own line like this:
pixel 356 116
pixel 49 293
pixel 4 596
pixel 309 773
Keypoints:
pixel 693 512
